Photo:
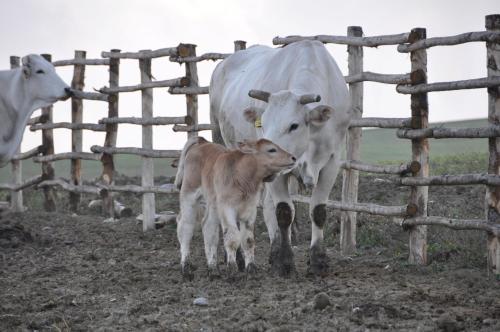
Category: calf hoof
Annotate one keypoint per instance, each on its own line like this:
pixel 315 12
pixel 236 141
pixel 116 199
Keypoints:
pixel 232 272
pixel 240 261
pixel 187 271
pixel 213 273
pixel 318 261
pixel 251 271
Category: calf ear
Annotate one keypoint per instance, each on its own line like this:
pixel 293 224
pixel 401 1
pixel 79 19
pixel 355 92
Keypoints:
pixel 26 66
pixel 319 115
pixel 247 146
pixel 252 113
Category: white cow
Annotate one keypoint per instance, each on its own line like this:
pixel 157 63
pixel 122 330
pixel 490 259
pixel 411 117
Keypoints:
pixel 286 85
pixel 22 91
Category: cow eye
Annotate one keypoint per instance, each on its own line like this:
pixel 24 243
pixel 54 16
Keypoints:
pixel 272 150
pixel 39 71
pixel 293 127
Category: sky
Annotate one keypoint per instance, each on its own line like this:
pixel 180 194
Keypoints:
pixel 60 27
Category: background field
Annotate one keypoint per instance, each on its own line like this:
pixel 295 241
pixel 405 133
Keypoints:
pixel 379 145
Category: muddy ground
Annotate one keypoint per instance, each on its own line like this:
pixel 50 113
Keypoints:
pixel 61 272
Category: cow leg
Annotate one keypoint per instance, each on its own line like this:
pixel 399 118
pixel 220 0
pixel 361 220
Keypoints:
pixel 231 239
pixel 211 238
pixel 318 260
pixel 248 244
pixel 185 228
pixel 285 211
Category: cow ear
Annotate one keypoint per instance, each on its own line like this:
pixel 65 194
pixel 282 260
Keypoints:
pixel 26 67
pixel 319 115
pixel 247 146
pixel 252 113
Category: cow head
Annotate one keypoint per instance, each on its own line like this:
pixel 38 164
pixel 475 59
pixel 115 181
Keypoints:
pixel 43 84
pixel 273 159
pixel 288 119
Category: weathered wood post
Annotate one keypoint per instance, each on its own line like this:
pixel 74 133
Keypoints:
pixel 493 192
pixel 48 149
pixel 239 45
pixel 111 134
pixel 148 199
pixel 353 141
pixel 420 148
pixel 16 197
pixel 186 50
pixel 77 83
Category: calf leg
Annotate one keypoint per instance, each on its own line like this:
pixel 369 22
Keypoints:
pixel 185 228
pixel 248 244
pixel 211 238
pixel 318 261
pixel 231 238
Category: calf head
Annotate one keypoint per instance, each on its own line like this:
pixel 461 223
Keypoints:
pixel 271 159
pixel 44 86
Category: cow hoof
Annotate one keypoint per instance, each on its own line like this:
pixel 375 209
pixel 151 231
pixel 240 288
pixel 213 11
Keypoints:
pixel 187 271
pixel 240 261
pixel 318 261
pixel 251 270
pixel 213 273
pixel 232 272
pixel 283 265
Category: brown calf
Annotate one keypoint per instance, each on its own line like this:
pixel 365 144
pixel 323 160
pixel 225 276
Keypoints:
pixel 230 183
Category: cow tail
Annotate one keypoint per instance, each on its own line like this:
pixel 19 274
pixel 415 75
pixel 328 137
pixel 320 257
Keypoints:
pixel 180 167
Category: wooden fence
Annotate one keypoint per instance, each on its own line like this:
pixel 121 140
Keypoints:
pixel 187 85
pixel 415 173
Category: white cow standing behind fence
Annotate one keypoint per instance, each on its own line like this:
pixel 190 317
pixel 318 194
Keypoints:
pixel 288 84
pixel 22 91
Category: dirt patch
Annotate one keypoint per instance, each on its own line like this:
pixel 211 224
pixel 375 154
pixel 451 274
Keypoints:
pixel 65 272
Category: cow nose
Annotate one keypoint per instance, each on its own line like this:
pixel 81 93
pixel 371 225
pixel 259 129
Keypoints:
pixel 69 92
pixel 294 159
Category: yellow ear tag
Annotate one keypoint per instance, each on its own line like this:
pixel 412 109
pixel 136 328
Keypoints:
pixel 258 123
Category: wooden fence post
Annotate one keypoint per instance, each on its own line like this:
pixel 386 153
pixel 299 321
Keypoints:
pixel 77 83
pixel 493 192
pixel 420 148
pixel 16 197
pixel 148 199
pixel 192 75
pixel 353 141
pixel 48 149
pixel 111 134
pixel 239 45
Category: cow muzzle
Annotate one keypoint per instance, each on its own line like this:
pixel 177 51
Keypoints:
pixel 68 93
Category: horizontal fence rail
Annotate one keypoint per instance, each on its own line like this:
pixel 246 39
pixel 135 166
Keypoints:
pixel 403 169
pixel 176 82
pixel 159 120
pixel 147 54
pixel 477 83
pixel 353 41
pixel 381 122
pixel 484 36
pixel 441 133
pixel 137 151
pixel 401 211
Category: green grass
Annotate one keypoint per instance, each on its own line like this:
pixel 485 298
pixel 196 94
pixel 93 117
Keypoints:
pixel 378 146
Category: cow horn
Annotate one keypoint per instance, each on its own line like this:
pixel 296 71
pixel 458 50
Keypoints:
pixel 310 98
pixel 259 94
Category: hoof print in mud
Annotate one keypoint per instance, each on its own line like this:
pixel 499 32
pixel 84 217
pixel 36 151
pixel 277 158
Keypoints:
pixel 318 262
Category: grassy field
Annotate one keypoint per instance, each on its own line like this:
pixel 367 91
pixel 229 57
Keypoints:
pixel 379 145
